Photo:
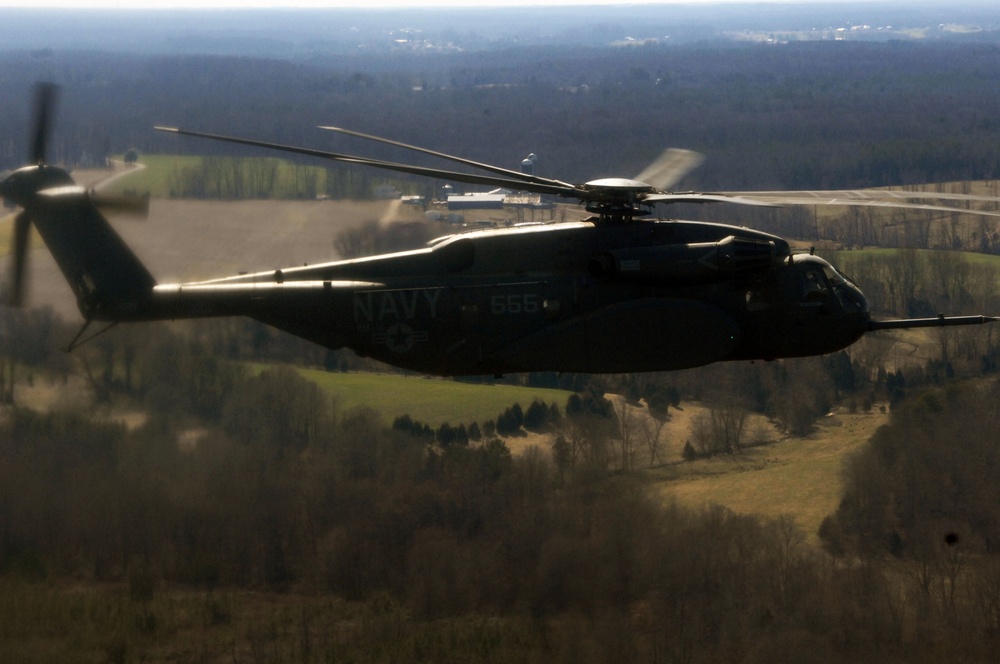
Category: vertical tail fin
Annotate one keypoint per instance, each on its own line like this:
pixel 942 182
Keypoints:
pixel 109 281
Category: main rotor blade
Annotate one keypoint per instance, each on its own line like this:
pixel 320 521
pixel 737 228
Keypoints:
pixel 468 178
pixel 19 261
pixel 518 175
pixel 45 99
pixel 706 197
pixel 670 168
pixel 862 194
pixel 878 198
pixel 805 198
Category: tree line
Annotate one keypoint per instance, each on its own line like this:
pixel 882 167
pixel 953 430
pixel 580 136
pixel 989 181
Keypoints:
pixel 803 115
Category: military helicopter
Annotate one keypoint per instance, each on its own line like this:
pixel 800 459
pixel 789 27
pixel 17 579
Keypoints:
pixel 618 292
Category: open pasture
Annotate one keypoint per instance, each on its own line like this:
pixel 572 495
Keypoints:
pixel 430 400
pixel 800 477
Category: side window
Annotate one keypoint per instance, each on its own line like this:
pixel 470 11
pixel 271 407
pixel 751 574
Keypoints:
pixel 759 294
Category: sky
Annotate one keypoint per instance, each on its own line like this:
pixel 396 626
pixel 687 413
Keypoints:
pixel 243 4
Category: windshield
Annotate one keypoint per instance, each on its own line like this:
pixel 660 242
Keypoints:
pixel 819 280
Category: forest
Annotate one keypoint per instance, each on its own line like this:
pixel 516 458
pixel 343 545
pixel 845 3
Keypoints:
pixel 241 485
pixel 248 517
pixel 805 115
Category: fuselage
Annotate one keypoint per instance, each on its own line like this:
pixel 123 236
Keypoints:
pixel 577 297
pixel 590 296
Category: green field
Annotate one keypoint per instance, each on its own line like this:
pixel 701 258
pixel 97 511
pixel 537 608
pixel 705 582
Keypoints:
pixel 155 178
pixel 429 400
pixel 160 175
pixel 883 253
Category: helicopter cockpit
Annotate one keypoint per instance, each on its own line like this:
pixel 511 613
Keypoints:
pixel 820 283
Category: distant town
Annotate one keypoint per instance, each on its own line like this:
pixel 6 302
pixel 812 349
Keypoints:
pixel 313 33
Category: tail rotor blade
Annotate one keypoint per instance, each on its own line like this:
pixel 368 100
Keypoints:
pixel 132 206
pixel 45 99
pixel 19 262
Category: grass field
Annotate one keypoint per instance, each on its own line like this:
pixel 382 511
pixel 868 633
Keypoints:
pixel 155 178
pixel 881 252
pixel 161 170
pixel 843 259
pixel 429 400
pixel 796 476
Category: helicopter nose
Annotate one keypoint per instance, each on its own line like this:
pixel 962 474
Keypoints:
pixel 856 309
pixel 852 299
pixel 862 301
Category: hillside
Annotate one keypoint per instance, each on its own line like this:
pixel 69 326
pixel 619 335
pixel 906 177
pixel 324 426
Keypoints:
pixel 795 476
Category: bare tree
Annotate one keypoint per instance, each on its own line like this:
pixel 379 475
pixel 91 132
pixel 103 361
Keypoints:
pixel 721 427
pixel 870 353
pixel 651 429
pixel 627 425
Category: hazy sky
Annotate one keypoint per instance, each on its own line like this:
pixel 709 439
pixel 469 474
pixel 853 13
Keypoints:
pixel 206 4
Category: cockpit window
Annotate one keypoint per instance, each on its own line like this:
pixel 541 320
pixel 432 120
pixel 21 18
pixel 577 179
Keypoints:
pixel 815 287
pixel 816 283
pixel 836 278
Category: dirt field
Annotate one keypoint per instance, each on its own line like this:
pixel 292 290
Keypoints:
pixel 186 240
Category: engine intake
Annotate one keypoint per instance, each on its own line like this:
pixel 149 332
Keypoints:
pixel 694 263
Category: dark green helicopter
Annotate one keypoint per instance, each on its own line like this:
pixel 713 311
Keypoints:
pixel 618 292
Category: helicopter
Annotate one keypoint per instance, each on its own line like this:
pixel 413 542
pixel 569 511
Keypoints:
pixel 620 291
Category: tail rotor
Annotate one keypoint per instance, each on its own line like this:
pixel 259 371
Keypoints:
pixel 26 187
pixel 21 188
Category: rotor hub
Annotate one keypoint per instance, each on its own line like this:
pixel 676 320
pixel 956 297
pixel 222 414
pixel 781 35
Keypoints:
pixel 616 200
pixel 22 185
pixel 620 185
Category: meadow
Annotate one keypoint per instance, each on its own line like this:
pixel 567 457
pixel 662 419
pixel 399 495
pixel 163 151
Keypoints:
pixel 164 175
pixel 797 477
pixel 431 400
